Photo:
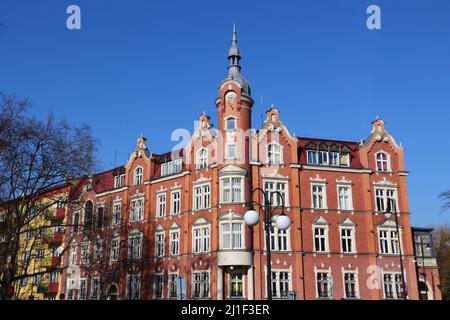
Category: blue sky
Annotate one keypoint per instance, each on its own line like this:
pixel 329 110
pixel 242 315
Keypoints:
pixel 154 66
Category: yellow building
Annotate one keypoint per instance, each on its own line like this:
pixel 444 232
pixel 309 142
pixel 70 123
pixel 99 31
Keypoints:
pixel 41 245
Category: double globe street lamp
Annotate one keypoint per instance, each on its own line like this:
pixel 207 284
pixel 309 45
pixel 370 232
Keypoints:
pixel 251 218
pixel 391 204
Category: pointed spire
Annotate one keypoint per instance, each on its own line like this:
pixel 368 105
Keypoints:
pixel 233 54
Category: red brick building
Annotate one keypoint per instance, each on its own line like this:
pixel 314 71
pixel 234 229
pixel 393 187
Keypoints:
pixel 158 218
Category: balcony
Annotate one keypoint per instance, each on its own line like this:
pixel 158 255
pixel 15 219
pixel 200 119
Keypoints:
pixel 57 214
pixel 53 238
pixel 235 258
pixel 50 262
pixel 42 288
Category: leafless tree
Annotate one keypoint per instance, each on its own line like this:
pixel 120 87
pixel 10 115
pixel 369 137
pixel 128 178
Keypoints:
pixel 445 196
pixel 36 157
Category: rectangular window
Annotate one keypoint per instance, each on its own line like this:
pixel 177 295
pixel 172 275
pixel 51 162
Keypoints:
pixel 159 285
pixel 350 285
pixel 280 284
pixel 164 171
pixel 175 200
pixel 312 157
pixel 202 197
pixel 323 157
pixel 115 247
pixel 53 277
pixel 347 240
pixel 137 210
pixel 334 158
pixel 323 285
pixel 278 239
pixel 100 217
pixel 173 285
pixel 135 247
pixel 133 291
pixel 174 243
pixel 382 196
pixel 159 244
pixel 119 181
pixel 200 284
pixel 82 291
pixel 345 199
pixel 320 239
pixel 84 253
pixel 281 187
pixel 177 165
pixel 200 239
pixel 117 209
pixel 231 151
pixel 393 286
pixel 344 159
pixel 161 205
pixel 389 241
pixel 236 285
pixel 231 190
pixel 318 196
pixel 232 235
pixel 95 289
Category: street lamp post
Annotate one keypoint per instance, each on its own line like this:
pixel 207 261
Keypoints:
pixel 390 204
pixel 283 222
pixel 423 264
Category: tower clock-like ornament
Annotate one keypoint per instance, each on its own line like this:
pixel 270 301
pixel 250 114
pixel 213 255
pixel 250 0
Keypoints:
pixel 230 97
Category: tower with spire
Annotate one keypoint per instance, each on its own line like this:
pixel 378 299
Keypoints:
pixel 234 100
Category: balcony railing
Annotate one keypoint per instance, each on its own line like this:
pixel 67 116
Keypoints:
pixel 53 238
pixel 50 262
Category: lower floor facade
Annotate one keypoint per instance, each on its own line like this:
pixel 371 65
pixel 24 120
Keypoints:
pixel 236 275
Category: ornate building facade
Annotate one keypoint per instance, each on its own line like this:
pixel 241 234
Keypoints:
pixel 165 223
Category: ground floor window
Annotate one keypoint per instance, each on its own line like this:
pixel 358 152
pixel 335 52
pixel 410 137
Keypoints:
pixel 324 283
pixel 236 285
pixel 133 286
pixel 280 284
pixel 350 285
pixel 393 286
pixel 159 284
pixel 200 284
pixel 173 285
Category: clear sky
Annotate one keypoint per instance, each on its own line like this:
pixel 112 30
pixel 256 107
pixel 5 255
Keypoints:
pixel 154 66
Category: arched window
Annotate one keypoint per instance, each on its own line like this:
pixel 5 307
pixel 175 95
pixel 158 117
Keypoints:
pixel 138 175
pixel 382 160
pixel 231 123
pixel 202 158
pixel 274 153
pixel 112 292
pixel 88 212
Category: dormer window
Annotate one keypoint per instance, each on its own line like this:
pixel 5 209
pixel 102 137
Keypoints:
pixel 202 158
pixel 138 176
pixel 119 181
pixel 231 123
pixel 382 161
pixel 274 154
pixel 344 159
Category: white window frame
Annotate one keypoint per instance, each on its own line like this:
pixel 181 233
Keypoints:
pixel 175 202
pixel 232 188
pixel 203 197
pixel 275 235
pixel 138 177
pixel 352 230
pixel 135 251
pixel 115 249
pixel 84 296
pixel 202 237
pixel 325 236
pixel 174 242
pixel 235 123
pixel 272 154
pixel 389 239
pixel 232 233
pixel 330 286
pixel 119 181
pixel 277 281
pixel 323 194
pixel 356 275
pixel 203 285
pixel 385 197
pixel 350 197
pixel 160 238
pixel 316 156
pixel 93 280
pixel 202 160
pixel 393 274
pixel 229 146
pixel 276 183
pixel 387 162
pixel 161 201
pixel 159 275
pixel 169 284
pixel 137 212
pixel 135 293
pixel 117 214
